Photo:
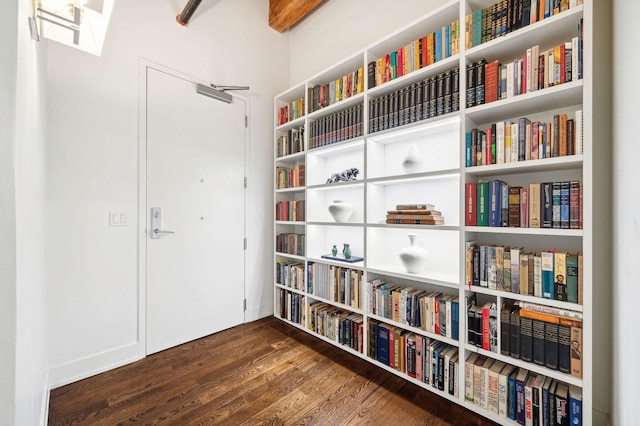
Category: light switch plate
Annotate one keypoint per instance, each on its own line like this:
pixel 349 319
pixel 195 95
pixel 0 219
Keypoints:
pixel 118 219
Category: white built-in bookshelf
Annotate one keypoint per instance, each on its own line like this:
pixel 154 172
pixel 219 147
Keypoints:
pixel 303 283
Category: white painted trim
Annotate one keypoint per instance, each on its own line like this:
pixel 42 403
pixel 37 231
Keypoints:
pixel 94 364
pixel 44 411
pixel 257 312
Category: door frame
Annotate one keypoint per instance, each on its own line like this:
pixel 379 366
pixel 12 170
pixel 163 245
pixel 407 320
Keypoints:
pixel 145 64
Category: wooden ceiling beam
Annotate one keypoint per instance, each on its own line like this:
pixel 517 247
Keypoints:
pixel 283 14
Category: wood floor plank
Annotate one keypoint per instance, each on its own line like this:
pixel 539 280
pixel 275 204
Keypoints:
pixel 261 373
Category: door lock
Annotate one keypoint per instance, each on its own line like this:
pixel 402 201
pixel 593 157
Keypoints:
pixel 156 223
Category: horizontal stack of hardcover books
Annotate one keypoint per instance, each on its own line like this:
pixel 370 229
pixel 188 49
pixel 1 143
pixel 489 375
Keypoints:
pixel 415 214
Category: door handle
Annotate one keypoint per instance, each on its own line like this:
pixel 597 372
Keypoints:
pixel 156 223
pixel 159 231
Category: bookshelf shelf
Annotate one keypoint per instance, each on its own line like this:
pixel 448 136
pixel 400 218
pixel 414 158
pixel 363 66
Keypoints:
pixel 526 298
pixel 439 137
pixel 566 378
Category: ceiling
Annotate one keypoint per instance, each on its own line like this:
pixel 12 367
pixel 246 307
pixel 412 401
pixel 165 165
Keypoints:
pixel 283 14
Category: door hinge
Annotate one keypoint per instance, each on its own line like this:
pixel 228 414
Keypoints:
pixel 244 305
pixel 245 243
pixel 245 182
pixel 246 121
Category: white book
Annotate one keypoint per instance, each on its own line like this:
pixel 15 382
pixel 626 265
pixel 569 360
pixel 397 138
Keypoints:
pixel 510 91
pixel 503 380
pixel 503 81
pixel 500 142
pixel 550 68
pixel 514 142
pixel 574 59
pixel 535 53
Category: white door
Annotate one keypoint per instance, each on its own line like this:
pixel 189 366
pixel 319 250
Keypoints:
pixel 195 181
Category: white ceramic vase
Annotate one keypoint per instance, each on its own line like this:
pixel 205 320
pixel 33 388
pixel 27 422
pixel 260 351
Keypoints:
pixel 341 210
pixel 413 162
pixel 413 257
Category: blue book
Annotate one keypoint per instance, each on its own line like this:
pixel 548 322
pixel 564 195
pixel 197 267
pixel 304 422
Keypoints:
pixel 495 202
pixel 438 43
pixel 575 405
pixel 564 205
pixel 447 45
pixel 547 274
pixel 521 379
pixel 455 321
pixel 555 205
pixel 383 344
pixel 545 419
pixel 476 28
pixel 511 395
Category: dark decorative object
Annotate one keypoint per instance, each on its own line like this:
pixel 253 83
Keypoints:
pixel 346 175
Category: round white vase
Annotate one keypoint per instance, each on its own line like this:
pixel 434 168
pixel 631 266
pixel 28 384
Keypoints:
pixel 413 162
pixel 413 257
pixel 341 210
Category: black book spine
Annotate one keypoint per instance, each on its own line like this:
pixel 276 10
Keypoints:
pixel 455 89
pixel 538 342
pixel 447 92
pixel 371 75
pixel 505 332
pixel 425 98
pixel 433 95
pixel 480 80
pixel 564 348
pixel 440 94
pixel 551 345
pixel 471 326
pixel 526 339
pixel 515 333
pixel 471 85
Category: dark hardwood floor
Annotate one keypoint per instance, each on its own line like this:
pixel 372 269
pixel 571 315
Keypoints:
pixel 261 373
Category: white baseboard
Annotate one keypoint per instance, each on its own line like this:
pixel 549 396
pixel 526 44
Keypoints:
pixel 254 313
pixel 92 365
pixel 600 418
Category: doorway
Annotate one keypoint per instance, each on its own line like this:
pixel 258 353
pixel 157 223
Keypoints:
pixel 194 211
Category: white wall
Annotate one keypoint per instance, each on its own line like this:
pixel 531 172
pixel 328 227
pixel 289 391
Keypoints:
pixel 92 166
pixel 338 29
pixel 23 375
pixel 8 72
pixel 626 215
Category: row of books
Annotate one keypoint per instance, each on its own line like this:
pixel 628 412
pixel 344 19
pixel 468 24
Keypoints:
pixel 290 274
pixel 415 217
pixel 535 70
pixel 523 140
pixel 335 283
pixel 290 306
pixel 290 142
pixel 519 394
pixel 505 16
pixel 429 49
pixel 287 177
pixel 321 96
pixel 290 210
pixel 495 203
pixel 431 311
pixel 292 111
pixel 427 360
pixel 290 243
pixel 336 127
pixel 552 274
pixel 542 335
pixel 431 97
pixel 339 325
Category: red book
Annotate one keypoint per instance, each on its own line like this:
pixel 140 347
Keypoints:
pixel 489 158
pixel 400 60
pixel 562 65
pixel 486 345
pixel 491 82
pixel 425 61
pixel 470 204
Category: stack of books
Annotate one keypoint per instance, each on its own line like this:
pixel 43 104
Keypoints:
pixel 415 214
